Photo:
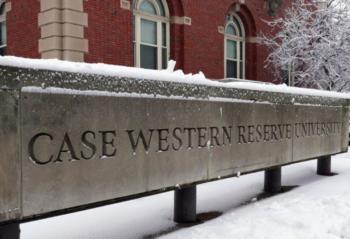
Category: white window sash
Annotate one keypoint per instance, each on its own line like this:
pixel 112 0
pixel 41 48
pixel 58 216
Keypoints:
pixel 238 39
pixel 159 45
pixel 238 59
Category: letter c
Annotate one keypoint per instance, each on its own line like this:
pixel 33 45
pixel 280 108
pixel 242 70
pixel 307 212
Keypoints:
pixel 31 149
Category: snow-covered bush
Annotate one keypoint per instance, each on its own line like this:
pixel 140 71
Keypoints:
pixel 312 45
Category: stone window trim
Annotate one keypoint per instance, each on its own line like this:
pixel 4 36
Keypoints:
pixel 125 4
pixel 181 20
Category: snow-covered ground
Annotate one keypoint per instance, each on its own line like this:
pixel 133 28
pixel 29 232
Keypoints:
pixel 318 208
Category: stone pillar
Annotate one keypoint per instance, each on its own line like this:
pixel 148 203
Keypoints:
pixel 324 166
pixel 185 205
pixel 10 231
pixel 273 178
pixel 62 25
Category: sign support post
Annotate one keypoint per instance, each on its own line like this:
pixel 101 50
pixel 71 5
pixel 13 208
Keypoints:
pixel 273 178
pixel 10 231
pixel 324 166
pixel 185 205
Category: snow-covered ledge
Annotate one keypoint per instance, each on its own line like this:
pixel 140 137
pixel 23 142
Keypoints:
pixel 104 77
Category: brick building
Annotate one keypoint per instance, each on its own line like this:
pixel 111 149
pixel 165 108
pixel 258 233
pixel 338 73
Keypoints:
pixel 217 37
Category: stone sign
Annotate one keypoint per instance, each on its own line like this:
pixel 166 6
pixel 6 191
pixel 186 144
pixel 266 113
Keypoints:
pixel 63 149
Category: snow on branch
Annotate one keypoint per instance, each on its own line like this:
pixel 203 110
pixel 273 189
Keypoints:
pixel 311 45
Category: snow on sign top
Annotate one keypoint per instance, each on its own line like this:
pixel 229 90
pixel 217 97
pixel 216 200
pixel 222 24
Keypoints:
pixel 158 75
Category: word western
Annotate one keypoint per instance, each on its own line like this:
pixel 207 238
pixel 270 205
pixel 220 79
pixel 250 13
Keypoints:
pixel 45 148
pixel 179 138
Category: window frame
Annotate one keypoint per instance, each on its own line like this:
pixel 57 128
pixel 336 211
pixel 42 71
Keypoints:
pixel 233 20
pixel 3 22
pixel 159 20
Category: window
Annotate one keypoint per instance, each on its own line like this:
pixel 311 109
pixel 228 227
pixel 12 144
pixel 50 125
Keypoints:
pixel 3 33
pixel 234 48
pixel 151 34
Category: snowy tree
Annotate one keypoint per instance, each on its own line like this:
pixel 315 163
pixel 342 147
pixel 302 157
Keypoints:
pixel 311 45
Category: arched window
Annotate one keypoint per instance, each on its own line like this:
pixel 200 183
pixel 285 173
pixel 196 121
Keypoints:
pixel 151 34
pixel 3 31
pixel 234 48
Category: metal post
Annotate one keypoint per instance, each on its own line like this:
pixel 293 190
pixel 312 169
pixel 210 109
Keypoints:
pixel 10 231
pixel 185 205
pixel 324 166
pixel 273 178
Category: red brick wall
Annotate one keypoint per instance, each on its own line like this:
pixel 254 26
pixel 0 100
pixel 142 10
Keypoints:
pixel 198 47
pixel 109 33
pixel 204 45
pixel 23 32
